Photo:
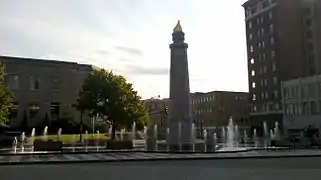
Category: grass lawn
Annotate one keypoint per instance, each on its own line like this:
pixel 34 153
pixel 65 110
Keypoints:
pixel 69 138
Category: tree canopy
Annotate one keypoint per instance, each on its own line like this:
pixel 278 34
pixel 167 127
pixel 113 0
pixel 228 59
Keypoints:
pixel 5 98
pixel 113 99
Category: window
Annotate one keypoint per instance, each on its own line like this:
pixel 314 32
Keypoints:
pixel 305 91
pixel 13 81
pixel 34 83
pixel 259 44
pixel 263 57
pixel 252 61
pixel 275 80
pixel 253 73
pixel 272 53
pixel 277 106
pixel 262 32
pixel 253 97
pixel 276 94
pixel 13 111
pixel 253 85
pixel 263 44
pixel 261 70
pixel 266 95
pixel 314 109
pixel 264 69
pixel 54 110
pixel 250 36
pixel 262 82
pixel 258 21
pixel 251 48
pixel 262 95
pixel 271 27
pixel 270 15
pixel 262 19
pixel 260 57
pixel 56 84
pixel 250 24
pixel 309 34
pixel 265 82
pixel 273 66
pixel 272 41
pixel 33 109
pixel 309 22
pixel 258 33
pixel 254 108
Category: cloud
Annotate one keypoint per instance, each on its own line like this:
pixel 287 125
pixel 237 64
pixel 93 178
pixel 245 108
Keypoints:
pixel 103 52
pixel 139 70
pixel 129 50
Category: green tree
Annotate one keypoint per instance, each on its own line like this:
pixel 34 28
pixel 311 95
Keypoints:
pixel 5 98
pixel 113 99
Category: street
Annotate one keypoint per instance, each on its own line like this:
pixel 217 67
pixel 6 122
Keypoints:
pixel 249 169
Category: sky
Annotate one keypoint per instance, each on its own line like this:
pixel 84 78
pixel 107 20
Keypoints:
pixel 132 37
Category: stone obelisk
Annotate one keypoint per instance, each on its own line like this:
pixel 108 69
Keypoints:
pixel 180 108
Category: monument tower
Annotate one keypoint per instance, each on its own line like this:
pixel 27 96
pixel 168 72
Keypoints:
pixel 180 108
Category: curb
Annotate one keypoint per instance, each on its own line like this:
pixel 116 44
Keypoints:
pixel 158 159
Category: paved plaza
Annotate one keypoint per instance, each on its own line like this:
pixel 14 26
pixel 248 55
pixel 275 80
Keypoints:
pixel 221 169
pixel 142 156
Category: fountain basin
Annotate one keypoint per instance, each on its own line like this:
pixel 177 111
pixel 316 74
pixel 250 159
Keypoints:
pixel 49 145
pixel 115 144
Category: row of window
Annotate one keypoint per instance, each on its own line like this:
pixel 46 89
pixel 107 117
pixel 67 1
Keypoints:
pixel 306 108
pixel 263 57
pixel 203 99
pixel 261 6
pixel 265 95
pixel 264 82
pixel 209 110
pixel 306 91
pixel 34 109
pixel 260 34
pixel 269 107
pixel 13 82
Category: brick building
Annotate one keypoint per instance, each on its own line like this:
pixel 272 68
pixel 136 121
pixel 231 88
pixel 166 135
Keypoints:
pixel 213 109
pixel 209 109
pixel 283 42
pixel 42 88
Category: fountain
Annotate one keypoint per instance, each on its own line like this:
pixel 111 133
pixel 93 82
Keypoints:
pixel 155 135
pixel 110 132
pixel 97 140
pixel 32 136
pixel 45 134
pixel 255 139
pixel 86 141
pixel 230 139
pixel 59 134
pixel 277 133
pixel 214 140
pixel 145 132
pixel 122 134
pixel 245 138
pixel 266 134
pixel 14 145
pixel 22 141
pixel 167 139
pixel 205 139
pixel 134 131
pixel 73 142
pixel 193 136
pixel 223 134
pixel 237 136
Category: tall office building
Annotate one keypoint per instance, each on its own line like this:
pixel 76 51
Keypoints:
pixel 283 42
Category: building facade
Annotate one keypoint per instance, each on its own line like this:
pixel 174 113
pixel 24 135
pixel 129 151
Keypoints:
pixel 158 111
pixel 209 110
pixel 279 47
pixel 302 103
pixel 42 88
pixel 213 109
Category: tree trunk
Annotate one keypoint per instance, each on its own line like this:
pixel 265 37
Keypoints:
pixel 113 129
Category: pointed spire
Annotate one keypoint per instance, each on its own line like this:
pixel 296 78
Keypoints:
pixel 178 27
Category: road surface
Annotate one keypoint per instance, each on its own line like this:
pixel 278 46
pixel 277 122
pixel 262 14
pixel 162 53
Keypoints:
pixel 247 169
